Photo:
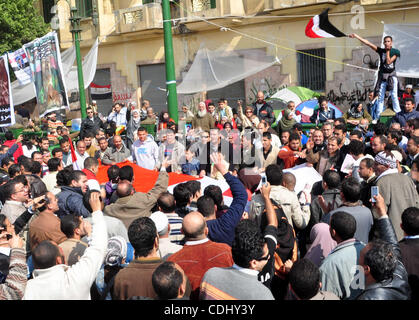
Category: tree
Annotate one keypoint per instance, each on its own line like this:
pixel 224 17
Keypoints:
pixel 20 23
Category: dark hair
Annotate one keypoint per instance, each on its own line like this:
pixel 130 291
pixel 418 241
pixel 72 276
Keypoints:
pixel 247 245
pixel 205 205
pixel 166 202
pixel 274 174
pixel 90 162
pixel 410 100
pixel 182 195
pixel 344 224
pixel 161 119
pixel 9 188
pixel 368 162
pixel 341 127
pixel 53 164
pixel 356 133
pixel 142 129
pixel 356 147
pixel 64 140
pixel 410 221
pixel 396 134
pixel 321 99
pixel 64 177
pixel 13 170
pixel 193 186
pixel 76 175
pixel 45 254
pixel 36 167
pixel 142 233
pixel 380 129
pixel 113 173
pixel 383 138
pixel 2 223
pixel 34 153
pixel 86 199
pixel 215 193
pixel 9 135
pixel 331 178
pixel 304 279
pixel 267 134
pixel 351 189
pixel 415 139
pixel 89 134
pixel 55 151
pixel 294 136
pixel 69 223
pixel 5 161
pixel 26 163
pixel 388 37
pixel 126 173
pixel 166 280
pixel 381 259
pixel 37 186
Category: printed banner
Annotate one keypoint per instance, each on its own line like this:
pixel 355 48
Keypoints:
pixel 20 65
pixel 7 112
pixel 45 61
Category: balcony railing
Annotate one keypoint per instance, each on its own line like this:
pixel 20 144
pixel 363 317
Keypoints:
pixel 140 18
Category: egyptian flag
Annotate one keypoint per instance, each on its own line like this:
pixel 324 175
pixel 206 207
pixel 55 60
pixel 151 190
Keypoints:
pixel 320 27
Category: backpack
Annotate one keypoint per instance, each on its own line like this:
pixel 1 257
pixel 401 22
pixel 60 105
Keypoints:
pixel 286 248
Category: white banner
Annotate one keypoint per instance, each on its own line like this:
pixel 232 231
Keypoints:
pixel 21 67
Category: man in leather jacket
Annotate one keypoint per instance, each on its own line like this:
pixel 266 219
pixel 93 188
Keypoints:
pixel 385 275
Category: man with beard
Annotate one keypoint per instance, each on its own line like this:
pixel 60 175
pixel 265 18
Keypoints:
pixel 203 119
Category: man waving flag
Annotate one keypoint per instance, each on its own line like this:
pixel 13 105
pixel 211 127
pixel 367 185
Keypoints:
pixel 320 27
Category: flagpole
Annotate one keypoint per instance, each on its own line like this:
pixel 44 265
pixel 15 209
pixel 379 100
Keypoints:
pixel 75 30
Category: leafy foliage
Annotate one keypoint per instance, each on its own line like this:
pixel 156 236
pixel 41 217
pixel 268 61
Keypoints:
pixel 20 23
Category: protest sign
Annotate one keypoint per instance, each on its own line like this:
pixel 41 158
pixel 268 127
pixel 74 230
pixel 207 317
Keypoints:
pixel 20 65
pixel 45 61
pixel 7 113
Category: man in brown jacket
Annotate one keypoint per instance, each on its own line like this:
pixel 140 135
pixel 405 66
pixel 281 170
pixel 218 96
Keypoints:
pixel 135 280
pixel 203 119
pixel 130 205
pixel 47 226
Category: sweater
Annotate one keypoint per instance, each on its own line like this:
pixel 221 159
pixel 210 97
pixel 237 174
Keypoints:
pixel 14 287
pixel 71 283
pixel 222 229
pixel 206 122
pixel 233 283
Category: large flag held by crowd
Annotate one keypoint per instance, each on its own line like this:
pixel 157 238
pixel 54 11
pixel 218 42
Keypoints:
pixel 7 114
pixel 45 61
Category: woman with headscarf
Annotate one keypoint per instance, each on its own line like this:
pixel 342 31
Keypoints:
pixel 287 121
pixel 132 127
pixel 250 180
pixel 321 243
pixel 356 113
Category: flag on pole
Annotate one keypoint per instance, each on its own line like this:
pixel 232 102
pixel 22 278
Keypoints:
pixel 320 27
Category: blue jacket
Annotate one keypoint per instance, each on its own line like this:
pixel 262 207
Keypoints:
pixel 9 152
pixel 70 201
pixel 189 166
pixel 222 228
pixel 402 117
pixel 322 116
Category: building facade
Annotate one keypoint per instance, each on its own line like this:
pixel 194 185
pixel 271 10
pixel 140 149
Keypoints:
pixel 131 53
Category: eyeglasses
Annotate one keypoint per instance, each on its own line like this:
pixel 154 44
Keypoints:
pixel 25 188
pixel 205 137
pixel 264 258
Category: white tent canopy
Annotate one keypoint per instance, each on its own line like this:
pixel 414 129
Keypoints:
pixel 406 39
pixel 21 94
pixel 216 69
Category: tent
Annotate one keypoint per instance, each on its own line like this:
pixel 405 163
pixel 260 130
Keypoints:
pixel 296 94
pixel 215 69
pixel 307 109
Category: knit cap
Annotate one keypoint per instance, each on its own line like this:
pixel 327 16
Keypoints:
pixel 386 160
pixel 116 252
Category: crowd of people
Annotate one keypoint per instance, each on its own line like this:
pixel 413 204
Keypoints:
pixel 339 238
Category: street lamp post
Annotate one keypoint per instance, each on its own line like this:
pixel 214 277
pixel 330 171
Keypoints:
pixel 170 63
pixel 76 30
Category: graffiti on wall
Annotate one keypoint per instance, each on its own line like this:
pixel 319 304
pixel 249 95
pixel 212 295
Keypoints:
pixel 271 89
pixel 359 93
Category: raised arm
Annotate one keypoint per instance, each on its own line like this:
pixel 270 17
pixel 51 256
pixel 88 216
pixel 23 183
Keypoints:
pixel 364 41
pixel 270 211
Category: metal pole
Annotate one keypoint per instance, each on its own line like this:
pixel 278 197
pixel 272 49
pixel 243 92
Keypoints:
pixel 75 30
pixel 170 62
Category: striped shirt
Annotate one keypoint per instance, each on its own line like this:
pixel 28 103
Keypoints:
pixel 175 235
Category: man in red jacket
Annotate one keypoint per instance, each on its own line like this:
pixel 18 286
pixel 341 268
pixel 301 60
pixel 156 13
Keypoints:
pixel 291 154
pixel 10 141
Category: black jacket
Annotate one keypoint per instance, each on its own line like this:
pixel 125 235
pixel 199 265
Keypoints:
pixel 410 258
pixel 223 146
pixel 87 125
pixel 397 287
pixel 265 113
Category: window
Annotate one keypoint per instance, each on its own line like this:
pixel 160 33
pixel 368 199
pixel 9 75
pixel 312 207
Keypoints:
pixel 312 70
pixel 413 81
pixel 85 8
pixel 46 9
pixel 201 5
pixel 153 85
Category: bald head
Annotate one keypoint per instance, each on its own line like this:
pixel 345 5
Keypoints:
pixel 289 181
pixel 124 189
pixel 194 226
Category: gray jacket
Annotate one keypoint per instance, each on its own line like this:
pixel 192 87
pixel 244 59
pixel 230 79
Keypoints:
pixel 113 155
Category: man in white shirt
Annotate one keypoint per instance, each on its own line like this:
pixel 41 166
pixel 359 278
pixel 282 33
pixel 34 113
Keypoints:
pixel 54 280
pixel 118 115
pixel 81 155
pixel 145 151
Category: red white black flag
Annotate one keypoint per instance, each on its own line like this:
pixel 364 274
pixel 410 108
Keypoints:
pixel 320 27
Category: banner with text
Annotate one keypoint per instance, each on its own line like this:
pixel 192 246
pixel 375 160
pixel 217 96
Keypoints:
pixel 7 113
pixel 45 61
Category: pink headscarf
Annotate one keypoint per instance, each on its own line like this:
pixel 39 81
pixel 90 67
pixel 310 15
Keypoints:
pixel 322 243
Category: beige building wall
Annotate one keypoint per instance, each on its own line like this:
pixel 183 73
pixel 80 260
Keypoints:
pixel 125 51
